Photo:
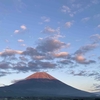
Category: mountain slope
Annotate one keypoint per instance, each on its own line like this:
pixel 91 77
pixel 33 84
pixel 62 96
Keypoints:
pixel 42 84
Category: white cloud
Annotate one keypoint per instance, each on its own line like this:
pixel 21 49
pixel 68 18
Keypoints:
pixel 98 26
pixel 85 19
pixel 38 57
pixel 45 19
pixel 71 15
pixel 68 24
pixel 65 9
pixel 16 31
pixel 23 45
pixel 80 58
pixel 7 40
pixel 51 30
pixel 20 40
pixel 9 52
pixel 23 27
pixel 61 54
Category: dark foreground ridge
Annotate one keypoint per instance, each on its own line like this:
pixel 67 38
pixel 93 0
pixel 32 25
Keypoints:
pixel 41 84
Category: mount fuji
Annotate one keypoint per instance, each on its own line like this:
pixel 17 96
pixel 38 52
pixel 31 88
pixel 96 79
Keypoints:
pixel 41 84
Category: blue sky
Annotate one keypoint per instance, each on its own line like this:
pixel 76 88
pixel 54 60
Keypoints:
pixel 59 37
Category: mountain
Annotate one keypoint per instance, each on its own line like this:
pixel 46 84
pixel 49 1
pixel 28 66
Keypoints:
pixel 41 84
pixel 96 93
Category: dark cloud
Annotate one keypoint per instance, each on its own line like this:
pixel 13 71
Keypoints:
pixel 4 73
pixel 33 66
pixel 5 65
pixel 86 48
pixel 99 58
pixel 97 76
pixel 30 51
pixel 96 87
pixel 50 44
pixel 80 73
pixel 46 65
pixel 65 62
pixel 23 58
pixel 12 58
pixel 87 73
pixel 20 67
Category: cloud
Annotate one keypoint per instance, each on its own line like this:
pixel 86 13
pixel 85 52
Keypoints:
pixel 79 58
pixel 95 1
pixel 19 5
pixel 15 81
pixel 23 58
pixel 7 40
pixel 4 73
pixel 61 54
pixel 82 60
pixel 99 57
pixel 23 27
pixel 68 24
pixel 4 65
pixel 98 26
pixel 30 51
pixel 65 62
pixel 20 66
pixel 16 31
pixel 39 57
pixel 2 85
pixel 50 30
pixel 9 52
pixel 96 16
pixel 87 73
pixel 46 65
pixel 85 19
pixel 20 40
pixel 50 44
pixel 48 53
pixel 80 73
pixel 65 9
pixel 96 87
pixel 33 66
pixel 45 19
pixel 95 37
pixel 23 45
pixel 35 58
pixel 76 6
pixel 86 48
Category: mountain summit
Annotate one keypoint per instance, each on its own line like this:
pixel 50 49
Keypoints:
pixel 40 75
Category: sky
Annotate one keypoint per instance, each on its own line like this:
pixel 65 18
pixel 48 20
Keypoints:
pixel 60 37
